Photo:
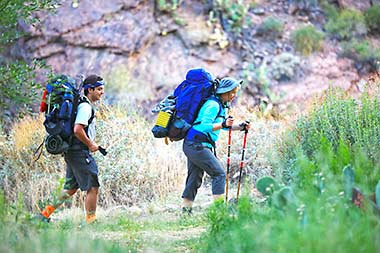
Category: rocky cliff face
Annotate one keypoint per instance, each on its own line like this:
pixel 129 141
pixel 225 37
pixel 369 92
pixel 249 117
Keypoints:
pixel 137 51
pixel 141 51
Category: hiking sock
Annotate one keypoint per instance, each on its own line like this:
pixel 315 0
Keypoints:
pixel 48 210
pixel 90 217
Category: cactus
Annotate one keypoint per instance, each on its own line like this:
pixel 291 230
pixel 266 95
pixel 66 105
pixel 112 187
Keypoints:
pixel 377 194
pixel 348 181
pixel 267 185
pixel 284 198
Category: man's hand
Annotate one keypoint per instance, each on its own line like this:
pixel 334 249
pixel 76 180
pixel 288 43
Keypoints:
pixel 93 147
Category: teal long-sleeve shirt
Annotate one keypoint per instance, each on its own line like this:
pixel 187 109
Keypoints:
pixel 209 115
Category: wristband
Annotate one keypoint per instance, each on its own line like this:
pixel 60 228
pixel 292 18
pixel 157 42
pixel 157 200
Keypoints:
pixel 224 125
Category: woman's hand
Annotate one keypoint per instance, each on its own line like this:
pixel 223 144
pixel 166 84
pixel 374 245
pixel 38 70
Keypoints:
pixel 228 122
pixel 245 126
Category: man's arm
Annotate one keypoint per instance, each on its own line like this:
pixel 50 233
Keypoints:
pixel 82 136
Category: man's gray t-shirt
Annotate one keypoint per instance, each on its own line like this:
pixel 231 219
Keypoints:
pixel 84 115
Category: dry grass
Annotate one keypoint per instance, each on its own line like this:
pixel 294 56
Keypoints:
pixel 137 169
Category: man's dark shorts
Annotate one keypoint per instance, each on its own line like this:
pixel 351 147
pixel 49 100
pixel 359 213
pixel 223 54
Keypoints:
pixel 81 170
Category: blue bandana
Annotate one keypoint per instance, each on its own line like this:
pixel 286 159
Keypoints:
pixel 93 85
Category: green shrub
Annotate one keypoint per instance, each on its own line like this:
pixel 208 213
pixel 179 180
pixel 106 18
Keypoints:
pixel 307 39
pixel 271 27
pixel 168 6
pixel 349 24
pixel 284 66
pixel 372 19
pixel 233 11
pixel 338 131
pixel 327 227
pixel 18 88
pixel 331 12
pixel 362 52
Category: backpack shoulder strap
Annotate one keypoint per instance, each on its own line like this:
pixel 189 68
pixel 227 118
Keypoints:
pixel 220 108
pixel 220 105
pixel 83 100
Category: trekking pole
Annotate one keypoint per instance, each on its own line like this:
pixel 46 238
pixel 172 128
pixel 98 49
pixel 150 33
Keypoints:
pixel 228 161
pixel 242 163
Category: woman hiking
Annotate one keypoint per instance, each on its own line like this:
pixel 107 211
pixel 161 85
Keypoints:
pixel 199 144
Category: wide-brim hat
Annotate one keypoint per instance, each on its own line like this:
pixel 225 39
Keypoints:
pixel 227 84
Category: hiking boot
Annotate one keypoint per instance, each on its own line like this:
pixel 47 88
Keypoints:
pixel 187 210
pixel 91 218
pixel 42 218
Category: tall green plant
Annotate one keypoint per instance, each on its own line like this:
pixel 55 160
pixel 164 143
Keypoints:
pixel 258 228
pixel 14 10
pixel 234 11
pixel 337 132
pixel 349 24
pixel 18 86
pixel 307 39
pixel 372 19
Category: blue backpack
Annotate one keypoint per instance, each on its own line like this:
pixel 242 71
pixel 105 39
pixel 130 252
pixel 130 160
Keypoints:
pixel 60 103
pixel 176 118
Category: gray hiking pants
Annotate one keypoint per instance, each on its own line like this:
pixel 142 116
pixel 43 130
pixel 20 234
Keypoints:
pixel 199 160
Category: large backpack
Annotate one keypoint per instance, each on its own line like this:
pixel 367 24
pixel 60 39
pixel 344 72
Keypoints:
pixel 60 102
pixel 177 112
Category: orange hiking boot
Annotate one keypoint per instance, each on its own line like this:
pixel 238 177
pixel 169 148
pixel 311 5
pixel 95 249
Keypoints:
pixel 90 218
pixel 45 214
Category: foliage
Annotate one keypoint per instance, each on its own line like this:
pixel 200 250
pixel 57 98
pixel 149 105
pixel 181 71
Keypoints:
pixel 285 66
pixel 307 39
pixel 372 19
pixel 254 227
pixel 14 10
pixel 168 5
pixel 331 11
pixel 362 52
pixel 338 131
pixel 18 88
pixel 349 24
pixel 234 11
pixel 271 27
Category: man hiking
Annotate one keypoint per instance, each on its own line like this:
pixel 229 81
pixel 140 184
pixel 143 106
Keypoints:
pixel 81 168
pixel 200 141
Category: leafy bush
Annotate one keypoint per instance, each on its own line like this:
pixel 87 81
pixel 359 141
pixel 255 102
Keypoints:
pixel 331 11
pixel 255 227
pixel 270 27
pixel 349 24
pixel 168 6
pixel 307 39
pixel 372 19
pixel 285 66
pixel 14 11
pixel 233 11
pixel 362 52
pixel 18 86
pixel 340 130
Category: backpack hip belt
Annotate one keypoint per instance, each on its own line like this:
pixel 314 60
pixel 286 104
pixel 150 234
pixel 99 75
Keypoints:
pixel 196 136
